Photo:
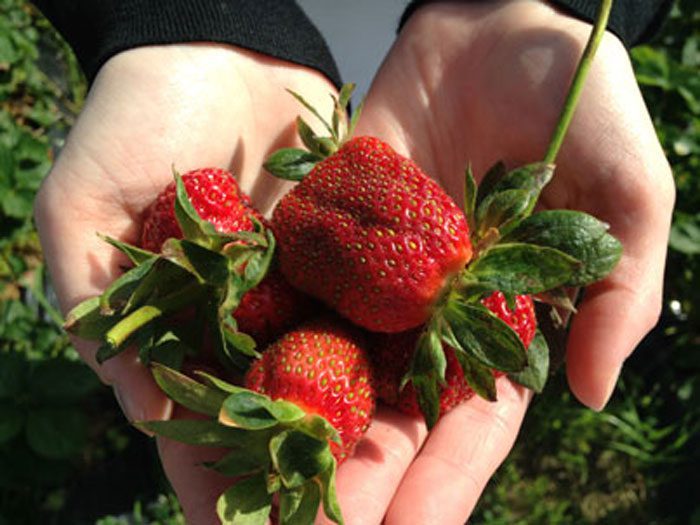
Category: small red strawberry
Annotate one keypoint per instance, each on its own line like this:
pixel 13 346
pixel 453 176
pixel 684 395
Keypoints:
pixel 392 356
pixel 214 194
pixel 264 311
pixel 321 367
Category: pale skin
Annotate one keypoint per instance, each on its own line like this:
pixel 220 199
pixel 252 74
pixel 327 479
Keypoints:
pixel 488 88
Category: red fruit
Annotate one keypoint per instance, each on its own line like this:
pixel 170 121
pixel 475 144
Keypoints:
pixel 266 310
pixel 321 367
pixel 271 308
pixel 392 356
pixel 368 233
pixel 215 195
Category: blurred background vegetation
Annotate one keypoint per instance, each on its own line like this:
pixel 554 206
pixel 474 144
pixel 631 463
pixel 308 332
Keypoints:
pixel 67 456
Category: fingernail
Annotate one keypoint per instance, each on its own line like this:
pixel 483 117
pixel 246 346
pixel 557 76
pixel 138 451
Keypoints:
pixel 609 389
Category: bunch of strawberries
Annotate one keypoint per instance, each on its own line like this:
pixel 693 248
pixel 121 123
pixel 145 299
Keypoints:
pixel 367 284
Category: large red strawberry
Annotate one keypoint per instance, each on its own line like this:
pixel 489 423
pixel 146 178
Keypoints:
pixel 368 233
pixel 273 305
pixel 321 367
pixel 392 356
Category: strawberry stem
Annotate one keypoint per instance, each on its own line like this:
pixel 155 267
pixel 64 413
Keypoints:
pixel 578 81
pixel 140 317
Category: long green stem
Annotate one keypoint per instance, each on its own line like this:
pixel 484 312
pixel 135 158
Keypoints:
pixel 578 81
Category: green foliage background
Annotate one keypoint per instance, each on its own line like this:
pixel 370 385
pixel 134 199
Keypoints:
pixel 68 457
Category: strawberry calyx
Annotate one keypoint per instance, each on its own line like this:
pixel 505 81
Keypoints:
pixel 273 447
pixel 207 272
pixel 517 252
pixel 295 163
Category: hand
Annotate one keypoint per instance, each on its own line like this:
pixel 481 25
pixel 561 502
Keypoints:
pixel 188 106
pixel 481 82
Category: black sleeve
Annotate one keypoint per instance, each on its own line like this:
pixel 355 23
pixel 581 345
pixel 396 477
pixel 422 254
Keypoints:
pixel 99 29
pixel 633 21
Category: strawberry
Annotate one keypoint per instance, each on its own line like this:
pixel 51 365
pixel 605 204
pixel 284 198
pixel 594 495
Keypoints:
pixel 214 194
pixel 266 310
pixel 368 233
pixel 393 352
pixel 321 367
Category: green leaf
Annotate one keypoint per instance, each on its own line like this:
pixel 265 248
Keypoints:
pixel 13 374
pixel 200 432
pixel 491 178
pixel 248 410
pixel 685 234
pixel 479 377
pixel 500 209
pixel 298 457
pixel 188 392
pixel 245 503
pixel 577 234
pixel 535 374
pixel 242 461
pixel 11 421
pixel 470 192
pixel 300 505
pixel 135 254
pixel 485 337
pixel 519 268
pixel 318 427
pixel 61 381
pixel 169 351
pixel 531 178
pixel 313 111
pixel 17 203
pixel 56 433
pixel 291 163
pixel 117 293
pixel 192 225
pixel 427 390
pixel 220 384
pixel 331 507
pixel 308 137
pixel 86 321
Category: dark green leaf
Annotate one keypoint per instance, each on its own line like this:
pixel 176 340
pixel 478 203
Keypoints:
pixel 576 234
pixel 61 381
pixel 492 177
pixel 331 507
pixel 17 203
pixel 531 177
pixel 188 392
pixel 118 292
pixel 86 321
pixel 479 377
pixel 200 432
pixel 168 350
pixel 248 410
pixel 485 337
pixel 135 254
pixel 300 505
pixel 245 503
pixel 319 428
pixel 291 163
pixel 427 390
pixel 307 135
pixel 192 225
pixel 11 421
pixel 312 109
pixel 534 376
pixel 298 457
pixel 216 382
pixel 56 433
pixel 470 192
pixel 13 374
pixel 519 268
pixel 500 209
pixel 242 461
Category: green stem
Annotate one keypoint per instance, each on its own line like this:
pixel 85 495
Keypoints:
pixel 578 81
pixel 140 317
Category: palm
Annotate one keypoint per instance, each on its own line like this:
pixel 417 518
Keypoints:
pixel 477 83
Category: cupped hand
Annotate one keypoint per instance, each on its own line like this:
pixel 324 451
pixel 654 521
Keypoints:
pixel 185 106
pixel 481 82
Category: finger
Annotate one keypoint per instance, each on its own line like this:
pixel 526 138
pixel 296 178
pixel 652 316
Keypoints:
pixel 613 318
pixel 459 457
pixel 367 481
pixel 196 487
